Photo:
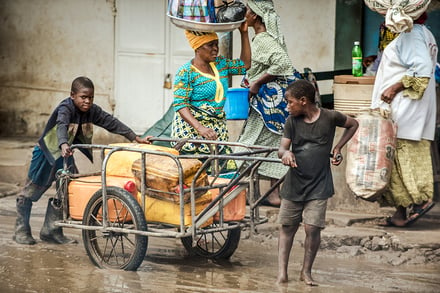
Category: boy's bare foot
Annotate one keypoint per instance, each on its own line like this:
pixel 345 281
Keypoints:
pixel 307 279
pixel 274 199
pixel 282 279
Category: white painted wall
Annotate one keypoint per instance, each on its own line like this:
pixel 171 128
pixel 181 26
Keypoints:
pixel 309 32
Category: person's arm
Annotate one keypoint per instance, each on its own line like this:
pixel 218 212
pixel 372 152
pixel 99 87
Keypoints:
pixel 255 86
pixel 275 60
pixel 110 123
pixel 245 54
pixel 389 93
pixel 63 120
pixel 182 92
pixel 415 55
pixel 351 125
pixel 206 132
pixel 285 154
pixel 145 140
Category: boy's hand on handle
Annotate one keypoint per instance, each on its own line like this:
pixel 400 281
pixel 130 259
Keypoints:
pixel 146 139
pixel 66 151
pixel 288 159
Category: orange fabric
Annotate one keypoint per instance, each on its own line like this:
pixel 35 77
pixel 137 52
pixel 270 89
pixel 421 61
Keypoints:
pixel 198 39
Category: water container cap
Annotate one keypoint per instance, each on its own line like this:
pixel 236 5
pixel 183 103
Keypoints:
pixel 356 43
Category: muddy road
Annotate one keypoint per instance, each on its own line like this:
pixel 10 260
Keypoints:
pixel 253 267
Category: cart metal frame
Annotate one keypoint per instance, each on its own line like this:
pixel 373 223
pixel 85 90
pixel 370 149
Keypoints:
pixel 245 178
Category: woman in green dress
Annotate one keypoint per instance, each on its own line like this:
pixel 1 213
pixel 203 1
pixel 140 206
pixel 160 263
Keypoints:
pixel 200 89
pixel 270 73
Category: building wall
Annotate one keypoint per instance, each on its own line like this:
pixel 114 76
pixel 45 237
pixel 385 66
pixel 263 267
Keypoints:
pixel 45 44
pixel 309 32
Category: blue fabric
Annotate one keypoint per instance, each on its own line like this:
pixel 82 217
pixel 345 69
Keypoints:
pixel 271 104
pixel 41 172
pixel 437 73
pixel 211 11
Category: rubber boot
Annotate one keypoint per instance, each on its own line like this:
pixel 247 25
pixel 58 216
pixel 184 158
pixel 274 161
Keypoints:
pixel 23 234
pixel 49 232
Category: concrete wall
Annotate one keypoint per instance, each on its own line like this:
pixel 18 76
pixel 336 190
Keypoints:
pixel 44 45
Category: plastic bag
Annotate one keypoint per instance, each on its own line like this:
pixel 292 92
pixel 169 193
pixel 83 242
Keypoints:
pixel 370 156
pixel 231 11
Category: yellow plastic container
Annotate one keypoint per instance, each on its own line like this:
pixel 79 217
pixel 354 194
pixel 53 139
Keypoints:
pixel 120 163
pixel 168 212
pixel 156 210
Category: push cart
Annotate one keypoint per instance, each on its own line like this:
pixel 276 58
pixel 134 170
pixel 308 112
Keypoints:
pixel 120 206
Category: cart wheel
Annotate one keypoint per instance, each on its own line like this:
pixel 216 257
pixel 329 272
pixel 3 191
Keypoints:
pixel 218 245
pixel 112 249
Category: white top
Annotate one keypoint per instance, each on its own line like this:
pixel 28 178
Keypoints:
pixel 414 54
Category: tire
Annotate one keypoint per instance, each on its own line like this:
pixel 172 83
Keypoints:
pixel 115 250
pixel 216 245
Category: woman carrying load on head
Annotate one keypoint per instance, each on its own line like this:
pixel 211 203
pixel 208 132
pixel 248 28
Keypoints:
pixel 405 84
pixel 200 89
pixel 270 73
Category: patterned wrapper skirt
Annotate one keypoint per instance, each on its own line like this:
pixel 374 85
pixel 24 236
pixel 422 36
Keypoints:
pixel 182 129
pixel 412 176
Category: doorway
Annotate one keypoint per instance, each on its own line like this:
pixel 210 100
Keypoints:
pixel 147 48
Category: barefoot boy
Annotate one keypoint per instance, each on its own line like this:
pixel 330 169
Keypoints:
pixel 305 147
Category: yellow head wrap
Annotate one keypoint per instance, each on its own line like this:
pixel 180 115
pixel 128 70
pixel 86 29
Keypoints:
pixel 198 39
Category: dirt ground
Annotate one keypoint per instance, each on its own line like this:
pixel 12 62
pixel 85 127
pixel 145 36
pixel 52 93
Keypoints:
pixel 354 257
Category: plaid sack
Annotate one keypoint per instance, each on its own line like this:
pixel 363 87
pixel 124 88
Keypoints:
pixel 195 10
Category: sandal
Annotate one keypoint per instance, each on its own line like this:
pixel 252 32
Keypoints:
pixel 417 213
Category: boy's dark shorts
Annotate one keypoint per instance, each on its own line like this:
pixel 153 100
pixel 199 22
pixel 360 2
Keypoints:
pixel 309 212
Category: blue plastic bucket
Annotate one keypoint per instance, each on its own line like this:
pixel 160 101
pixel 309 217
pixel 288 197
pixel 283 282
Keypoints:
pixel 237 104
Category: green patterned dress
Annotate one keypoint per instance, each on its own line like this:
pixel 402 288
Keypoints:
pixel 268 56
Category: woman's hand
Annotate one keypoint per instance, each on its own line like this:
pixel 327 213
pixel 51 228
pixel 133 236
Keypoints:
pixel 243 27
pixel 207 132
pixel 389 94
pixel 254 87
